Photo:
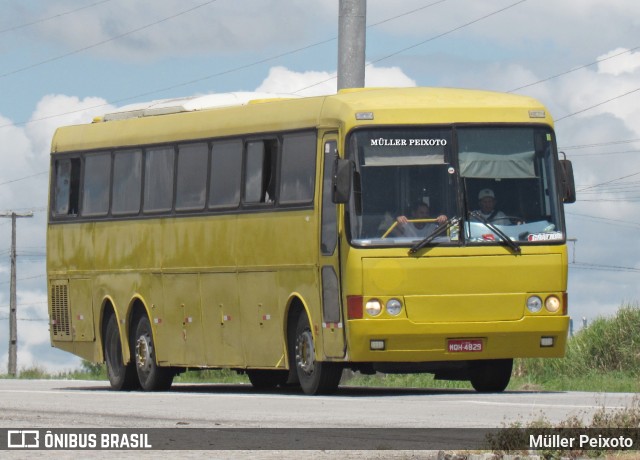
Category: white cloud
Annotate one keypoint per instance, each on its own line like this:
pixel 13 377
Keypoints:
pixel 310 83
pixel 618 62
pixel 25 154
pixel 55 110
pixel 314 83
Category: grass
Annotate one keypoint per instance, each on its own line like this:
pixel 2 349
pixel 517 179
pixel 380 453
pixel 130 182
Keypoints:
pixel 622 422
pixel 605 356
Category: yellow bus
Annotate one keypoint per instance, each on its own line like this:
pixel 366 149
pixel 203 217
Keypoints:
pixel 293 238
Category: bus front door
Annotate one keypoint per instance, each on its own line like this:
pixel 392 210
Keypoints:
pixel 333 337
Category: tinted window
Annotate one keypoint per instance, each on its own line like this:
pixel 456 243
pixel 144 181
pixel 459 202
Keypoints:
pixel 298 168
pixel 226 166
pixel 97 171
pixel 260 170
pixel 127 182
pixel 191 183
pixel 158 179
pixel 67 186
pixel 329 234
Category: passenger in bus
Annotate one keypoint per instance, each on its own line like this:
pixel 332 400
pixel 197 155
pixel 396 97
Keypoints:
pixel 488 210
pixel 418 229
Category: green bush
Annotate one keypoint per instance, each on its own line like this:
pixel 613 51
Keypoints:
pixel 607 345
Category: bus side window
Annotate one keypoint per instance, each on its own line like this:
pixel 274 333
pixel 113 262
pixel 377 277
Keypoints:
pixel 96 184
pixel 226 167
pixel 67 187
pixel 298 168
pixel 260 171
pixel 191 185
pixel 158 180
pixel 127 182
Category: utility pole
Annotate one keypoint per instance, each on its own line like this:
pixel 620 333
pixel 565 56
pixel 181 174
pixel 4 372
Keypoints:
pixel 352 24
pixel 13 318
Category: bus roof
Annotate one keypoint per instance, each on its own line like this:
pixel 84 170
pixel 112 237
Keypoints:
pixel 191 104
pixel 235 114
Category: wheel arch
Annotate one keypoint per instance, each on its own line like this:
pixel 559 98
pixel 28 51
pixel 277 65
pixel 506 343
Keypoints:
pixel 108 309
pixel 136 310
pixel 296 306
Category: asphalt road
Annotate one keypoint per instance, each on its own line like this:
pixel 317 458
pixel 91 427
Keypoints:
pixel 53 404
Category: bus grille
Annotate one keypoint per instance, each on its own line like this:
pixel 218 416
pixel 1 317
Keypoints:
pixel 60 324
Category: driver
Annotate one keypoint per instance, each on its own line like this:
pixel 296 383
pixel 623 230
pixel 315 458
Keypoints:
pixel 419 229
pixel 487 204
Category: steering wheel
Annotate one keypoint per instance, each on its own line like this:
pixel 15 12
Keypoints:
pixel 395 224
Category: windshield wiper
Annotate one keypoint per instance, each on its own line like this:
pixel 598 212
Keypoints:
pixel 508 241
pixel 432 236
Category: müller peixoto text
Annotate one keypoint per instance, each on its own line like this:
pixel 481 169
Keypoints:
pixel 583 441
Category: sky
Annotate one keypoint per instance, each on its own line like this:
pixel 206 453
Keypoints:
pixel 65 62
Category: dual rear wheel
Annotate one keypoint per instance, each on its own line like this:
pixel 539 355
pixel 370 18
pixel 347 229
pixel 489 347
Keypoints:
pixel 142 370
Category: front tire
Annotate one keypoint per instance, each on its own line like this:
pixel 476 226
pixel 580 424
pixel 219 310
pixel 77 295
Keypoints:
pixel 121 377
pixel 151 376
pixel 315 377
pixel 491 376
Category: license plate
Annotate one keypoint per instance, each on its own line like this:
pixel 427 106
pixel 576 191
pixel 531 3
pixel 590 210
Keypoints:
pixel 464 345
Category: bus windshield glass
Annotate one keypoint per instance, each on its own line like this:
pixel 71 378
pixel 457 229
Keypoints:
pixel 409 181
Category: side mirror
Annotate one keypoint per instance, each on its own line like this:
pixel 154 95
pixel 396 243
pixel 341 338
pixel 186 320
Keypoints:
pixel 342 177
pixel 568 187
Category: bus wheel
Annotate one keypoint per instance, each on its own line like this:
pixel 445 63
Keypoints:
pixel 315 377
pixel 267 378
pixel 151 376
pixel 491 376
pixel 121 377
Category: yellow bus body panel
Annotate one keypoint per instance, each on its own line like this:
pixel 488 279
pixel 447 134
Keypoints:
pixel 455 293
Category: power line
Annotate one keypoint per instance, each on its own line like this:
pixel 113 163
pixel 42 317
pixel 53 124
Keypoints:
pixel 27 305
pixel 597 61
pixel 597 105
pixel 4 318
pixel 601 267
pixel 406 13
pixel 605 219
pixel 609 181
pixel 210 76
pixel 602 154
pixel 435 37
pixel 100 43
pixel 24 279
pixel 599 144
pixel 23 178
pixel 39 21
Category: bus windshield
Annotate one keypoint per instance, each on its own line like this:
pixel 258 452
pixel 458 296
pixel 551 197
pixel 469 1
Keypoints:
pixel 493 182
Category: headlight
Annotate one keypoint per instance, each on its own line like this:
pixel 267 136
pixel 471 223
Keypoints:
pixel 534 304
pixel 552 304
pixel 394 307
pixel 373 307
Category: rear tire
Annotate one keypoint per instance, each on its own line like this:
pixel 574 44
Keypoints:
pixel 151 376
pixel 315 377
pixel 121 377
pixel 491 376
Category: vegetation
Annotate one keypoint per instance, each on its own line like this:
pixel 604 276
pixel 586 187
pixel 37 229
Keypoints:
pixel 605 356
pixel 618 423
